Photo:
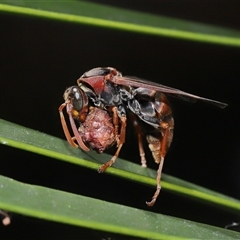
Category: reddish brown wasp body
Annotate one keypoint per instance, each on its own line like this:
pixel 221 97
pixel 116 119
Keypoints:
pixel 105 92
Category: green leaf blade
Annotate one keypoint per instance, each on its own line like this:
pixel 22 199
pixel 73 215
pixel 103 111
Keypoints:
pixel 27 139
pixel 82 211
pixel 98 15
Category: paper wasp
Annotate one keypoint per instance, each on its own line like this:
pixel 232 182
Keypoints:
pixel 119 98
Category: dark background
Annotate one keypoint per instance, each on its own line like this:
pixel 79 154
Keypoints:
pixel 40 58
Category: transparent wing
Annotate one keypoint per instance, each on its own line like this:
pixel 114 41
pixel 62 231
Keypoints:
pixel 137 82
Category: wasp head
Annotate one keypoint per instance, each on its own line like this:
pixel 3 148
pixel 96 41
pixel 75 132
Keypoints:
pixel 76 96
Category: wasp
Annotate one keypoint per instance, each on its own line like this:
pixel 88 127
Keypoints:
pixel 104 97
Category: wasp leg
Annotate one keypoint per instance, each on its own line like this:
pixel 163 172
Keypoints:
pixel 140 140
pixel 116 124
pixel 120 144
pixel 64 126
pixel 73 125
pixel 161 141
pixel 159 149
pixel 75 131
pixel 159 173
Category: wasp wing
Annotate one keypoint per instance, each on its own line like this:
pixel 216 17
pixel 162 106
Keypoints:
pixel 137 82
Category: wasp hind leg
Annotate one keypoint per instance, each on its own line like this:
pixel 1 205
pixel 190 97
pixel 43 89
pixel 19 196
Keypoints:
pixel 159 146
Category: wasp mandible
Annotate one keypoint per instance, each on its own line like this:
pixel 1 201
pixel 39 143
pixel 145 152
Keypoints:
pixel 105 98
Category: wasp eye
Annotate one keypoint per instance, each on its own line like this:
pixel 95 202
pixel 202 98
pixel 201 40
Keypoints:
pixel 76 93
pixel 76 98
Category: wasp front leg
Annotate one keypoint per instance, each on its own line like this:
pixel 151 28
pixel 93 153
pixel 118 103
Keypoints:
pixel 65 127
pixel 120 141
pixel 76 137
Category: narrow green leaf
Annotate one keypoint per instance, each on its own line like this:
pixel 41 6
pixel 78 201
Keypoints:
pixel 30 140
pixel 110 17
pixel 90 213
